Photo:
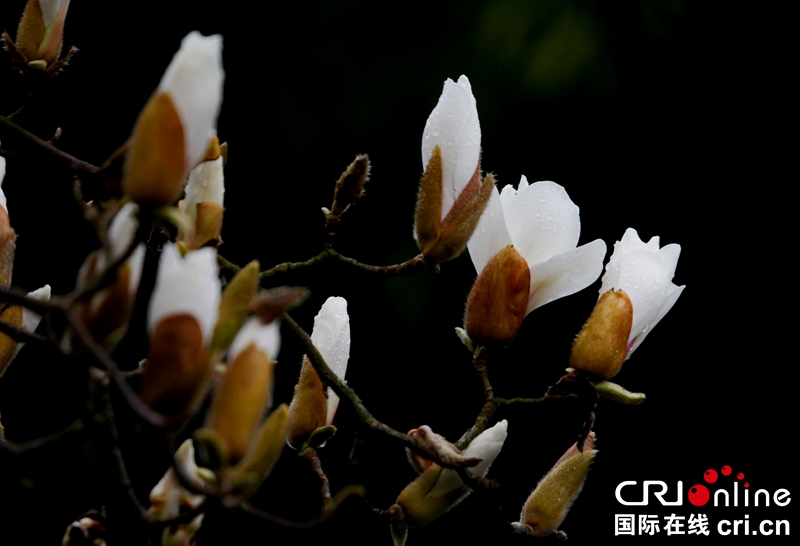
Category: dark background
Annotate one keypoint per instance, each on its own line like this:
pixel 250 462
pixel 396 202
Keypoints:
pixel 665 116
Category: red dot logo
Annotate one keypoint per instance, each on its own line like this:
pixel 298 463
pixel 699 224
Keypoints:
pixel 746 484
pixel 726 470
pixel 698 495
pixel 710 475
pixel 740 476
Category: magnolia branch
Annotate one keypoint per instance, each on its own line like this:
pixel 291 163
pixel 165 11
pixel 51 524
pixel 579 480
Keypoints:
pixel 347 393
pixel 409 267
pixel 45 146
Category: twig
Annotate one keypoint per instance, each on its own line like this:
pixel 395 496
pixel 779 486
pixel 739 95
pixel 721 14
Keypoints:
pixel 73 162
pixel 409 267
pixel 346 393
pixel 42 441
pixel 23 336
pixel 479 361
pixel 310 454
pixel 107 363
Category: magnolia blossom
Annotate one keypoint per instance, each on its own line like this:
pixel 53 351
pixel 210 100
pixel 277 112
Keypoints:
pixel 169 499
pixel 452 196
pixel 453 126
pixel 331 337
pixel 194 81
pixel 644 272
pixel 173 130
pixel 436 490
pixel 312 408
pixel 524 250
pixel 486 445
pixel 187 285
pixel 41 29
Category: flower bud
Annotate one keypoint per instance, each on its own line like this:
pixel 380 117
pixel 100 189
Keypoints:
pixel 169 499
pixel 550 502
pixel 438 489
pixel 312 406
pixel 498 299
pixel 350 186
pixel 41 30
pixel 182 314
pixel 242 397
pixel 451 198
pixel 8 237
pixel 309 408
pixel 262 454
pixel 601 346
pixel 234 304
pixel 644 271
pixel 21 318
pixel 172 133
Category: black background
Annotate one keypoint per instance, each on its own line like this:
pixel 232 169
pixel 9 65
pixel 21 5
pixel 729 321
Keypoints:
pixel 663 116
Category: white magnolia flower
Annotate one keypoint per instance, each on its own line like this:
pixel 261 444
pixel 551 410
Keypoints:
pixel 194 81
pixel 187 285
pixel 543 225
pixel 644 272
pixel 453 126
pixel 487 446
pixel 267 338
pixel 331 337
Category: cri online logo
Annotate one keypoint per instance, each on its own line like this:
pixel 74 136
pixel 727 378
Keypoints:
pixel 699 495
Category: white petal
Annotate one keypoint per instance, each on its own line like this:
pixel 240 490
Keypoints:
pixel 123 229
pixel 194 81
pixel 541 219
pixel 331 336
pixel 50 9
pixel 668 303
pixel 206 184
pixel 491 235
pixel 31 320
pixel 566 274
pixel 2 176
pixel 486 445
pixel 453 126
pixel 267 337
pixel 645 273
pixel 189 285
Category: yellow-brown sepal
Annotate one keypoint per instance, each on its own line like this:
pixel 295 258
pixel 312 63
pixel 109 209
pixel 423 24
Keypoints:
pixel 602 344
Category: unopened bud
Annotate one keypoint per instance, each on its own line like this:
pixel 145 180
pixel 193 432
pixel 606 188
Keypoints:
pixel 233 306
pixel 155 164
pixel 601 346
pixel 498 300
pixel 88 530
pixel 270 304
pixel 309 408
pixel 443 238
pixel 41 30
pixel 242 397
pixel 350 186
pixel 178 366
pixel 549 504
pixel 264 451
